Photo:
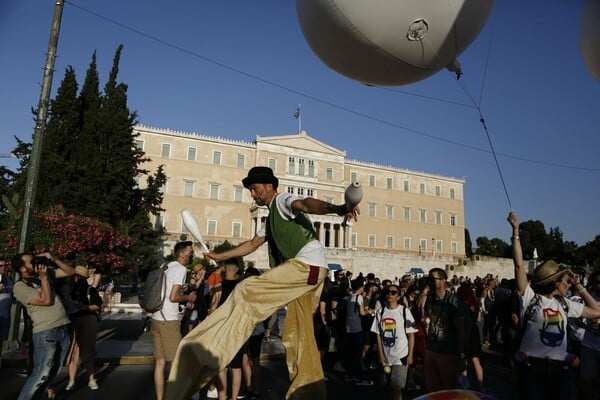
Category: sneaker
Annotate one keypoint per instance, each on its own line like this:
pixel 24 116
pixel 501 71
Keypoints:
pixel 212 394
pixel 413 386
pixel 92 384
pixel 349 378
pixel 363 382
pixel 70 386
pixel 242 395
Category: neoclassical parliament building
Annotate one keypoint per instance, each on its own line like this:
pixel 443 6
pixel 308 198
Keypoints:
pixel 406 216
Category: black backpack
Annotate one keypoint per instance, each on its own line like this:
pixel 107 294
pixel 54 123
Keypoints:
pixel 155 290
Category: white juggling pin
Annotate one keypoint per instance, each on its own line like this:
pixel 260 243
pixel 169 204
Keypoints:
pixel 192 226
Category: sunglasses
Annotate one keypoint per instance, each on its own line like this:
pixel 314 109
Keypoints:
pixel 392 293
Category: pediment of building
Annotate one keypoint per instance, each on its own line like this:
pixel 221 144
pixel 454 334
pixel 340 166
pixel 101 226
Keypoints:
pixel 300 141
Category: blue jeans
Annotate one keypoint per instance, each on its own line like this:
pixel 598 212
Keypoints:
pixel 50 350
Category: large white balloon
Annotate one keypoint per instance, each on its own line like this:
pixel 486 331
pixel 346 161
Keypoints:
pixel 589 37
pixel 390 42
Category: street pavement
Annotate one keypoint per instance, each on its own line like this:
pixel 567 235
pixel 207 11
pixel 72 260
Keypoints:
pixel 125 367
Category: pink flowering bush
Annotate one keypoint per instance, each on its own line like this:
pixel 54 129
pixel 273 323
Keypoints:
pixel 78 239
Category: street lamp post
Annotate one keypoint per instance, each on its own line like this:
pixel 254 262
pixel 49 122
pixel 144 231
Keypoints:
pixel 34 160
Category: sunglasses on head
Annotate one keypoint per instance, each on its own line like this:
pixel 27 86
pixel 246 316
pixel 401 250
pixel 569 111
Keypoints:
pixel 392 292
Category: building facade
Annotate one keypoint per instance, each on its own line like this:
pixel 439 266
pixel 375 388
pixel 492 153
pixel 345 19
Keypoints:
pixel 403 213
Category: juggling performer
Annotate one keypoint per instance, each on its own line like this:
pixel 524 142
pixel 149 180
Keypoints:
pixel 299 268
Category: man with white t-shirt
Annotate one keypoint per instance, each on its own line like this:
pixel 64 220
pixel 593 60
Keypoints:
pixel 299 268
pixel 166 332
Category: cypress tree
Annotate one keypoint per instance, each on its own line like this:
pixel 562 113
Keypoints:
pixel 85 160
pixel 59 144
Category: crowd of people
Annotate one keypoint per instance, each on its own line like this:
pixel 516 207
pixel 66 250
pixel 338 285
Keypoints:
pixel 402 333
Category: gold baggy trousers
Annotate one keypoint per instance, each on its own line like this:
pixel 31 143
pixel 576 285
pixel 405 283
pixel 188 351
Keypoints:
pixel 211 346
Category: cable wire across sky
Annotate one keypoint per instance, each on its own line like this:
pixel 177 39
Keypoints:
pixel 344 108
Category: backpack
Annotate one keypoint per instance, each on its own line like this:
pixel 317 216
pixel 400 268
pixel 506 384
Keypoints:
pixel 155 290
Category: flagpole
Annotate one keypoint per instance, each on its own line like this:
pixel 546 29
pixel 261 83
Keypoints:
pixel 299 119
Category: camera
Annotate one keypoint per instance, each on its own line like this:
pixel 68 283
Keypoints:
pixel 41 261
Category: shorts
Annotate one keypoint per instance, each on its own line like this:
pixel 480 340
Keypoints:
pixel 398 376
pixel 255 345
pixel 166 336
pixel 238 359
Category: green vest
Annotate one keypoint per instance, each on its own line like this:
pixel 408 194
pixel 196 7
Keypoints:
pixel 286 238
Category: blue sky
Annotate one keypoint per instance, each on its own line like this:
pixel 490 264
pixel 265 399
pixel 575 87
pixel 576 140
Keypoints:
pixel 239 68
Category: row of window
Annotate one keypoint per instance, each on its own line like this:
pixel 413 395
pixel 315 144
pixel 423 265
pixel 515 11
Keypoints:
pixel 423 245
pixel 407 214
pixel 302 192
pixel 389 184
pixel 214 193
pixel 301 167
pixel 437 246
pixel 211 228
pixel 192 154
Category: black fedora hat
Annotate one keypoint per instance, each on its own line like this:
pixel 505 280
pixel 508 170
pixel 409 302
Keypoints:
pixel 260 175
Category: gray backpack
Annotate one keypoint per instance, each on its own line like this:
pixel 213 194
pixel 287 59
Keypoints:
pixel 155 289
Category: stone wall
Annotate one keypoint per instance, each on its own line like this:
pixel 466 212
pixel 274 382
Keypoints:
pixel 391 264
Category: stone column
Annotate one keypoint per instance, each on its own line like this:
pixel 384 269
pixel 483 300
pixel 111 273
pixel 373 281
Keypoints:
pixel 339 239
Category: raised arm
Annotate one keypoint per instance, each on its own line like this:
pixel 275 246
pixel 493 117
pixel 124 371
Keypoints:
pixel 240 250
pixel 64 270
pixel 315 206
pixel 520 271
pixel 44 296
pixel 592 307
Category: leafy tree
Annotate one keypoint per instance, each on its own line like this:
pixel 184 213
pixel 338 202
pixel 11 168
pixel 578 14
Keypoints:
pixel 589 253
pixel 494 247
pixel 533 236
pixel 6 178
pixel 57 174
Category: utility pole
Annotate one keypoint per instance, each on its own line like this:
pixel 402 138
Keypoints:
pixel 34 158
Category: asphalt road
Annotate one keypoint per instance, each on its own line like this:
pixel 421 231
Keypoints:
pixel 134 382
